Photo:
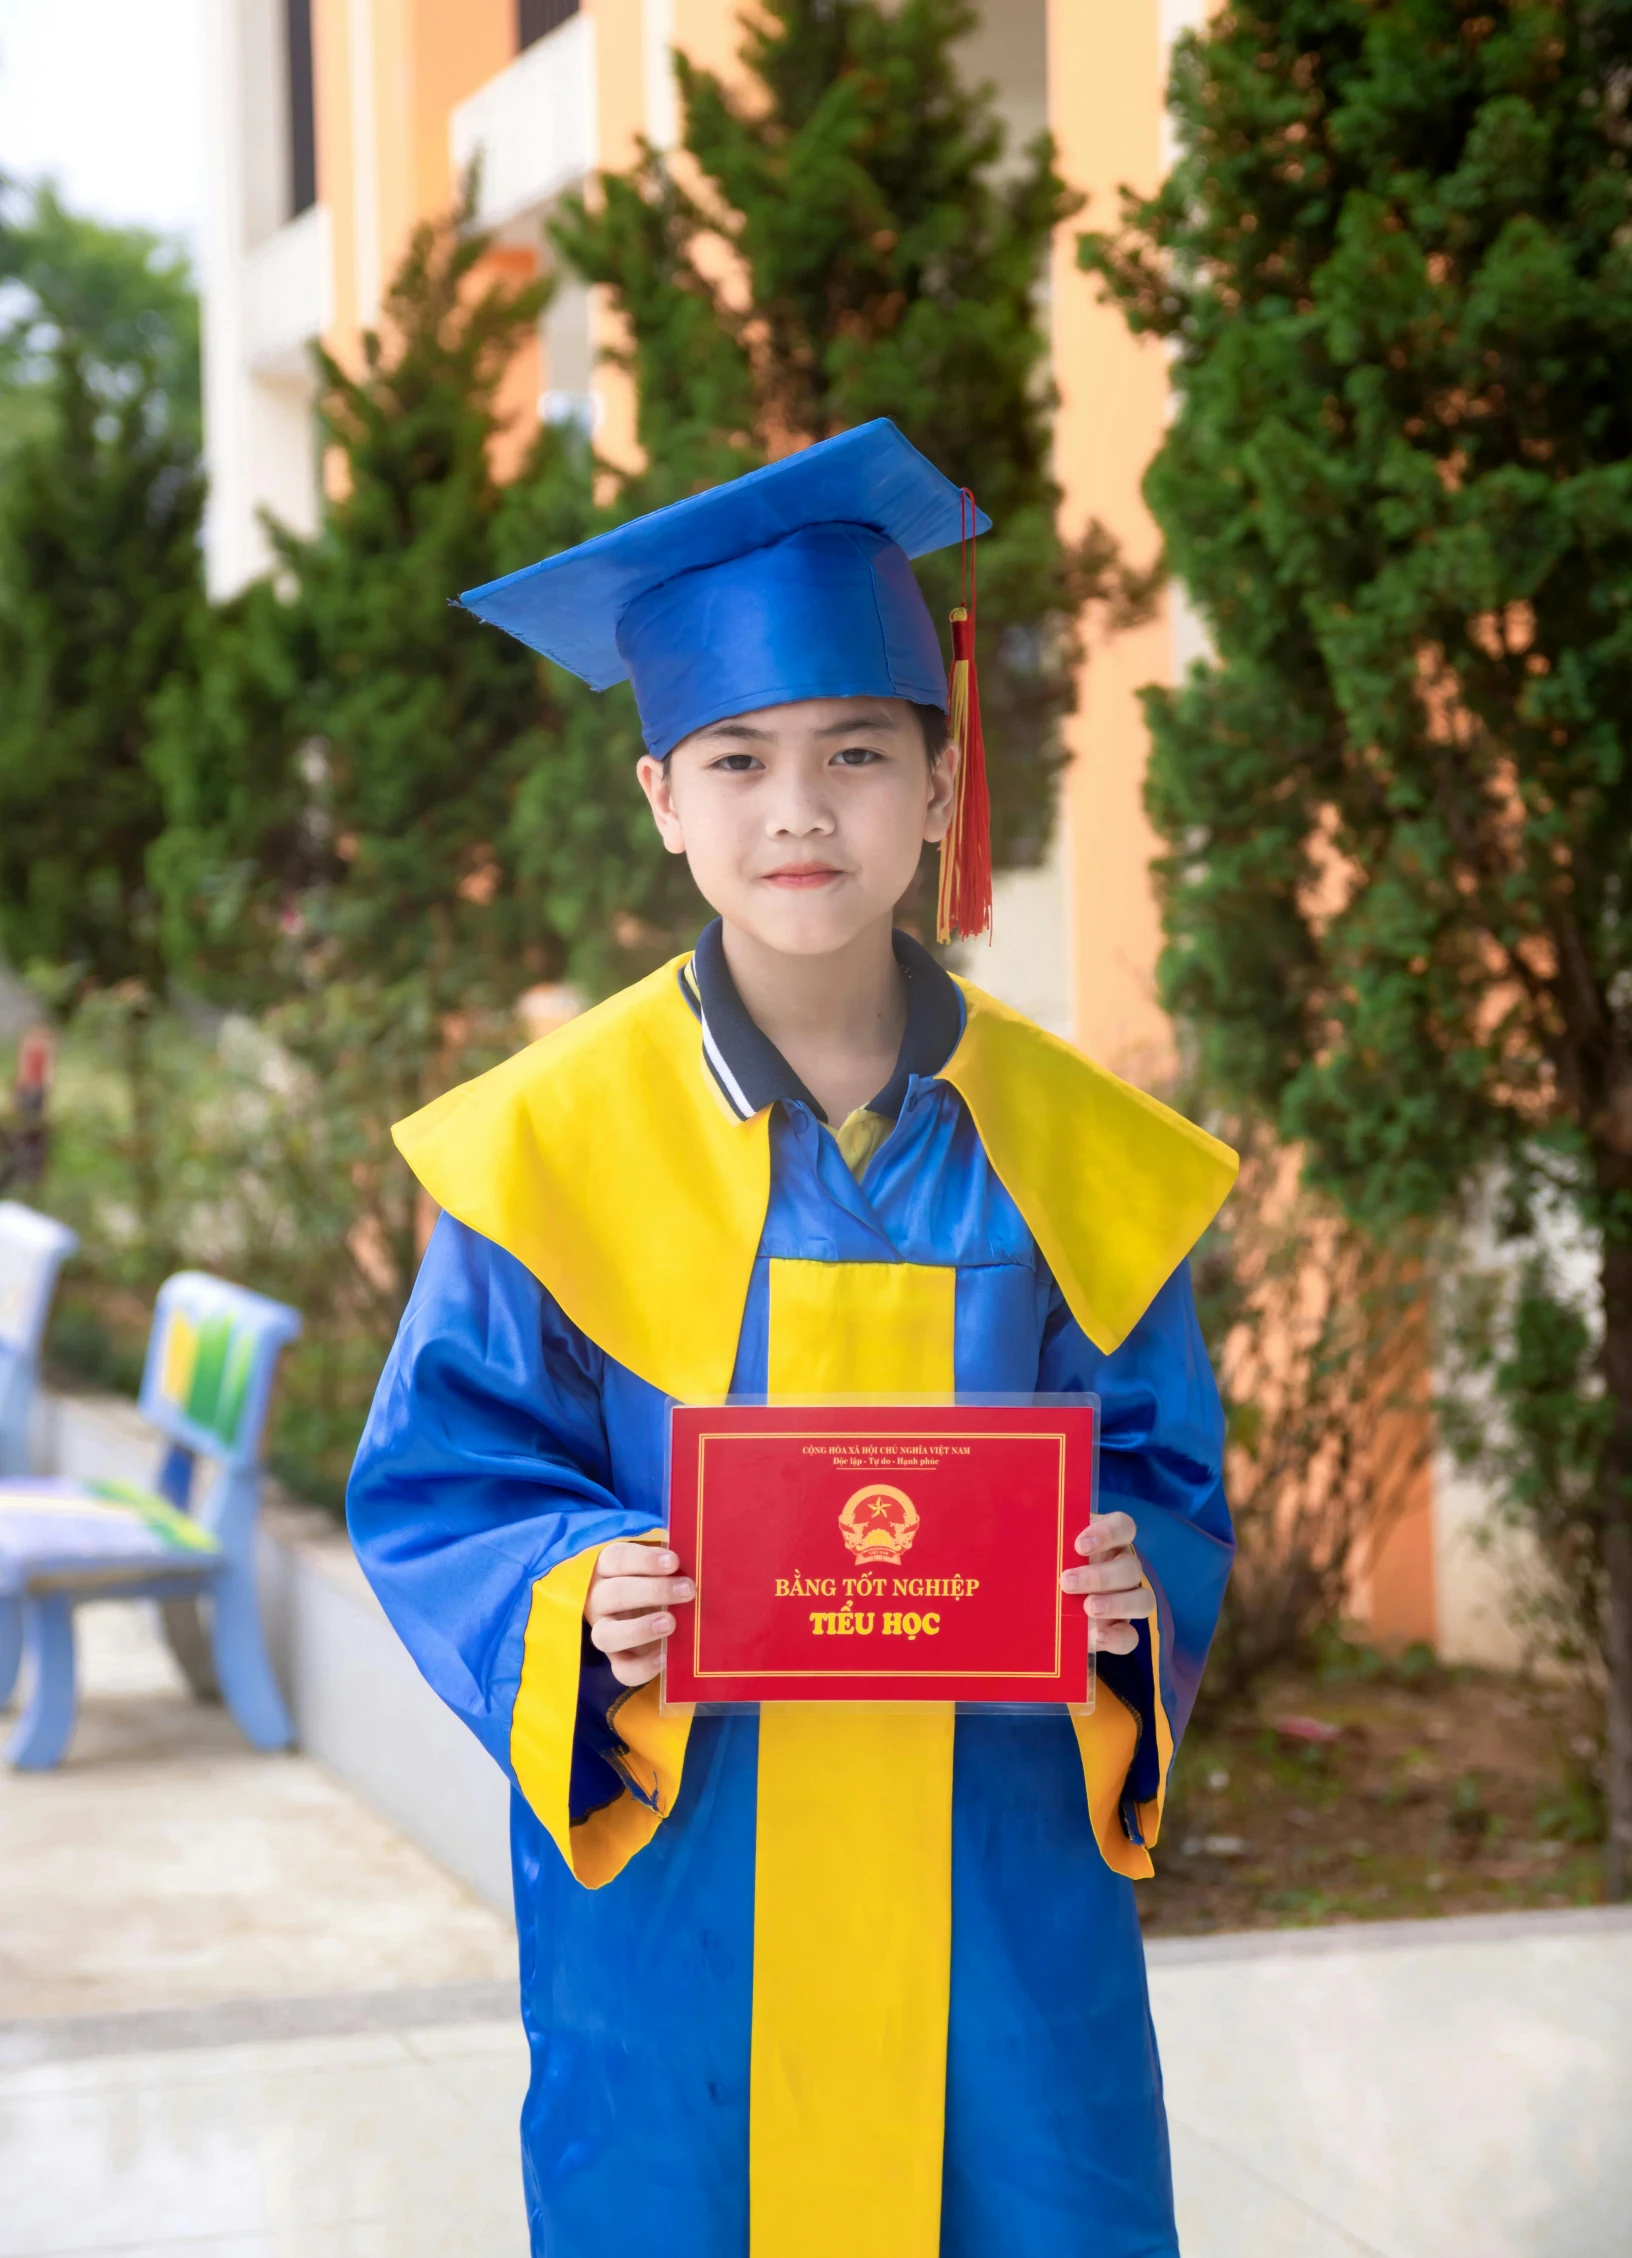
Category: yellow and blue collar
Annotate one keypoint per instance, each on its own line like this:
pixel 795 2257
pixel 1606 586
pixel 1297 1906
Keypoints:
pixel 749 1071
pixel 600 1159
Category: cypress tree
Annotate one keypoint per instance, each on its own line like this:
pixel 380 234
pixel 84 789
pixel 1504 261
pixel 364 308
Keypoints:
pixel 342 772
pixel 1394 264
pixel 857 242
pixel 344 759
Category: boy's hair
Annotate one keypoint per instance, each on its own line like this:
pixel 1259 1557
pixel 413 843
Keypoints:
pixel 937 731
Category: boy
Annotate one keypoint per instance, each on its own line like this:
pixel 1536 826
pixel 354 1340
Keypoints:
pixel 846 1977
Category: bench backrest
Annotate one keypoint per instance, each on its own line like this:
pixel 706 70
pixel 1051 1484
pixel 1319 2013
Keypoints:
pixel 211 1359
pixel 33 1248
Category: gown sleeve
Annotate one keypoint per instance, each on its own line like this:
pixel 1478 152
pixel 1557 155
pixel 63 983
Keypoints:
pixel 1161 1461
pixel 480 1497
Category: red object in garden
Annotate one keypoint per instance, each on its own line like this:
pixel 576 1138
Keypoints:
pixel 36 1056
pixel 23 1137
pixel 1306 1729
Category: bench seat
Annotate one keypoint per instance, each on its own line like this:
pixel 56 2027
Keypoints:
pixel 58 1535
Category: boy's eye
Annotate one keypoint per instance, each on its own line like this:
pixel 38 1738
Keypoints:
pixel 736 764
pixel 857 756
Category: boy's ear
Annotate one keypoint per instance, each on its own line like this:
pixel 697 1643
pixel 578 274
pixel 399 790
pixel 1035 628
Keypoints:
pixel 943 786
pixel 655 783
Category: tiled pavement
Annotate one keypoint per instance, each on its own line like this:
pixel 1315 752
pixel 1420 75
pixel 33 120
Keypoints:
pixel 342 2076
pixel 392 2143
pixel 1436 2089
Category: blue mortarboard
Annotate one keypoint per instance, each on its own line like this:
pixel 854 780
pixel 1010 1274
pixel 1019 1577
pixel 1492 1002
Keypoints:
pixel 792 582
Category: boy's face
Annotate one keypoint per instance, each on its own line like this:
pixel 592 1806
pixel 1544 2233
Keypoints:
pixel 803 823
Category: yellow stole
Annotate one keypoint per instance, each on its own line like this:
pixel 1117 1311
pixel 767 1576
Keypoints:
pixel 601 1158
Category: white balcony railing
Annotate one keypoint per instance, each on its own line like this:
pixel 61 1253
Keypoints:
pixel 289 294
pixel 532 127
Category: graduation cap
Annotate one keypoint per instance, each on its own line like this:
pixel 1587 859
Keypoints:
pixel 791 582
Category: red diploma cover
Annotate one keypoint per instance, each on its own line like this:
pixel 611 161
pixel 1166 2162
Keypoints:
pixel 879 1552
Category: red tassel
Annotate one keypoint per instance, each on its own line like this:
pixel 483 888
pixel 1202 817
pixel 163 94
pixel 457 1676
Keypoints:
pixel 963 908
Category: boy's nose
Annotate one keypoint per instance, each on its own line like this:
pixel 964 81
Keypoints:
pixel 799 814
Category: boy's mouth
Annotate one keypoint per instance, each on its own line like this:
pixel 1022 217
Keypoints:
pixel 796 876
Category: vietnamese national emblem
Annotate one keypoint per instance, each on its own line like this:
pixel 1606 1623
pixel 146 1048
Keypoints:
pixel 879 1523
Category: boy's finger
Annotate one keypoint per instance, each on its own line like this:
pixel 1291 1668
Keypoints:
pixel 621 1634
pixel 1112 1638
pixel 1120 1606
pixel 628 1595
pixel 1107 1532
pixel 626 1558
pixel 639 1667
pixel 1121 1573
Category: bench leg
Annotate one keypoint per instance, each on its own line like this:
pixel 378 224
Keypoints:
pixel 11 1644
pixel 48 1722
pixel 189 1642
pixel 242 1669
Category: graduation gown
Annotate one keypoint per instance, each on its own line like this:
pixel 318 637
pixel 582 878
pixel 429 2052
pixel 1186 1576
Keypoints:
pixel 850 1977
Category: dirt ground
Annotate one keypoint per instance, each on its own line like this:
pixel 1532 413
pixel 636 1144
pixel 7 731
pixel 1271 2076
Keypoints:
pixel 1442 1792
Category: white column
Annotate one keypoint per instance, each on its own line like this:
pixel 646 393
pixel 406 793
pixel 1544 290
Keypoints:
pixel 226 443
pixel 662 94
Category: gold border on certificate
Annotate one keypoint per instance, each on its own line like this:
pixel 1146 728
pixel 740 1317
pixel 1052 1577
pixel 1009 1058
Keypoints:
pixel 873 1435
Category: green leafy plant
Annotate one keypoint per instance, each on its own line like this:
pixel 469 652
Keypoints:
pixel 122 296
pixel 1394 267
pixel 1524 1408
pixel 99 591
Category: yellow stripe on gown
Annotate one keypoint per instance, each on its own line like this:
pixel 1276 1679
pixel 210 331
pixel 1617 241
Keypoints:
pixel 853 1872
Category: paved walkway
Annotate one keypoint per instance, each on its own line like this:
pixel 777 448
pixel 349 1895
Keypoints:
pixel 1433 2089
pixel 166 1863
pixel 389 2143
pixel 239 2018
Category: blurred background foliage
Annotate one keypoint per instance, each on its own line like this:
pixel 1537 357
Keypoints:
pixel 281 866
pixel 121 296
pixel 255 1171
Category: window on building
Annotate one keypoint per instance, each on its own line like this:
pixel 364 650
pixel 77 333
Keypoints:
pixel 297 18
pixel 535 17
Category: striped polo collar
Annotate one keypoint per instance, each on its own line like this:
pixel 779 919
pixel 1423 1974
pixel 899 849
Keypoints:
pixel 750 1072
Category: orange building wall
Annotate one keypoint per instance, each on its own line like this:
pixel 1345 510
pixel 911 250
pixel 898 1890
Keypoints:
pixel 620 73
pixel 336 171
pixel 709 32
pixel 620 103
pixel 1399 1594
pixel 1396 1592
pixel 1105 105
pixel 427 57
pixel 456 49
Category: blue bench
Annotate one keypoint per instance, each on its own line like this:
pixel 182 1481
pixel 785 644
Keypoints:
pixel 33 1248
pixel 206 1389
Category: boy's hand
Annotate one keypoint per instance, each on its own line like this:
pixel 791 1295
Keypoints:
pixel 1117 1597
pixel 626 1607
